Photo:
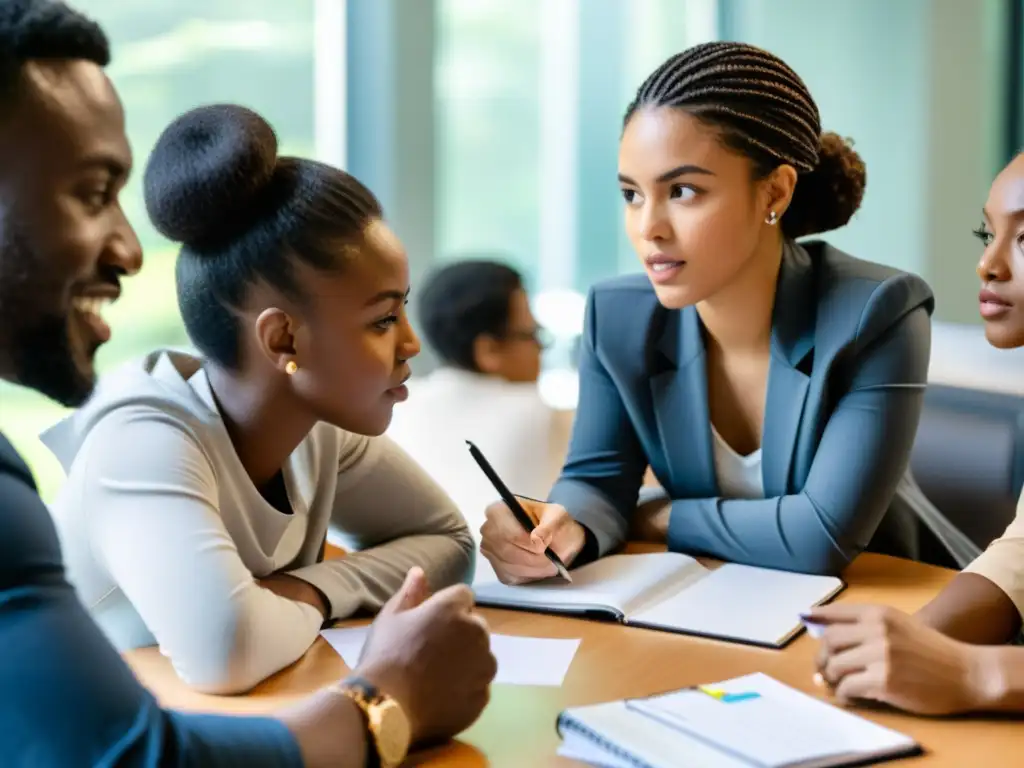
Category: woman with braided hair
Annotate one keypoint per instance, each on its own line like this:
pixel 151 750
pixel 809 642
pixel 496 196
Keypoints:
pixel 773 386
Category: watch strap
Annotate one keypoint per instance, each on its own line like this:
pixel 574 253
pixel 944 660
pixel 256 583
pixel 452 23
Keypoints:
pixel 366 689
pixel 363 693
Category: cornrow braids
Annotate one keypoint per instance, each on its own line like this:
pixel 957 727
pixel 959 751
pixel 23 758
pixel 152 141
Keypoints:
pixel 763 110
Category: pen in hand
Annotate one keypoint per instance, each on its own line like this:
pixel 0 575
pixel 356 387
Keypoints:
pixel 517 509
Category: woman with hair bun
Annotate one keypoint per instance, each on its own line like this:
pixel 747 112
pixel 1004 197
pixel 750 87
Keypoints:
pixel 200 487
pixel 773 386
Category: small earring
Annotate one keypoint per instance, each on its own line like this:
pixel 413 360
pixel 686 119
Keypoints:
pixel 291 367
pixel 773 217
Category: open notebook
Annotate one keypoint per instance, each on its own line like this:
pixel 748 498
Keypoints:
pixel 752 721
pixel 676 593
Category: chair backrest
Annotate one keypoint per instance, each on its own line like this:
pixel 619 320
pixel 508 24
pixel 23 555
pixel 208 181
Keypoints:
pixel 962 357
pixel 968 457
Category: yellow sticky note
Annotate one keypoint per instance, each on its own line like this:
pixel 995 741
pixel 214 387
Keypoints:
pixel 717 693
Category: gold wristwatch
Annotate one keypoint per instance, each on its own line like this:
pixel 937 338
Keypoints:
pixel 389 739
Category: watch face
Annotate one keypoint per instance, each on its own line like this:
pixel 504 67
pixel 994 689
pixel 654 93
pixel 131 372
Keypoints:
pixel 391 728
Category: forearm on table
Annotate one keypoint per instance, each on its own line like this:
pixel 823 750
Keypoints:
pixel 741 530
pixel 974 610
pixel 297 590
pixel 221 657
pixel 330 730
pixel 208 639
pixel 366 579
pixel 784 532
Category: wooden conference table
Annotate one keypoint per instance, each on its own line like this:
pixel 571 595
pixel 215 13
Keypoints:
pixel 518 726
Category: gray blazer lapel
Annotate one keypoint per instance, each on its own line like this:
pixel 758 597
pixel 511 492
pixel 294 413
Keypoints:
pixel 680 397
pixel 792 341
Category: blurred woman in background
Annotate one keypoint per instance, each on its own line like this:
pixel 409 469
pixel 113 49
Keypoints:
pixel 475 315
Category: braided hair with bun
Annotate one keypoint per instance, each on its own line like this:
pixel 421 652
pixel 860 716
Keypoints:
pixel 764 111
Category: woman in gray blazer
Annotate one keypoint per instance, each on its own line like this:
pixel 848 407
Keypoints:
pixel 773 386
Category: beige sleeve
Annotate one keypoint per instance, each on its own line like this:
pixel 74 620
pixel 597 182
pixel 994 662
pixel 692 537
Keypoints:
pixel 153 520
pixel 1003 562
pixel 393 516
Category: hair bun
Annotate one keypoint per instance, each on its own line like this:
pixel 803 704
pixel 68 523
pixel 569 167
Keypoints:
pixel 206 171
pixel 827 197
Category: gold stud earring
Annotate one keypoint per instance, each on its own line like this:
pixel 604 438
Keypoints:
pixel 291 367
pixel 773 217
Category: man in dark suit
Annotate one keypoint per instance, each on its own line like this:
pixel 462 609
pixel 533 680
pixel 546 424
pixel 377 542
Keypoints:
pixel 66 698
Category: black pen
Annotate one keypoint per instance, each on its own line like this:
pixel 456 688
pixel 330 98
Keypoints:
pixel 517 509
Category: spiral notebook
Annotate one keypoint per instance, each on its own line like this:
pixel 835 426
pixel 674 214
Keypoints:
pixel 752 721
pixel 675 593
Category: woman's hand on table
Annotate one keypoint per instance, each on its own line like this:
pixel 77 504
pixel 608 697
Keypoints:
pixel 880 654
pixel 518 556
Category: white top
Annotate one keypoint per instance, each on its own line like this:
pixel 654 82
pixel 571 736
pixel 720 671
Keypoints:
pixel 164 533
pixel 523 438
pixel 739 477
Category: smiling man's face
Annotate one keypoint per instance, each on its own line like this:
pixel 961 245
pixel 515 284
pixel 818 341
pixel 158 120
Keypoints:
pixel 64 240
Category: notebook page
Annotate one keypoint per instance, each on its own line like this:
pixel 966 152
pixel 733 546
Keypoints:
pixel 576 747
pixel 612 583
pixel 757 605
pixel 778 727
pixel 590 732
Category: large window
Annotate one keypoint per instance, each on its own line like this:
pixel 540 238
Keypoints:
pixel 528 102
pixel 529 96
pixel 168 58
pixel 490 127
pixel 488 71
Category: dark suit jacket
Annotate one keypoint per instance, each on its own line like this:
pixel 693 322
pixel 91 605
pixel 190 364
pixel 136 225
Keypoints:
pixel 849 360
pixel 66 697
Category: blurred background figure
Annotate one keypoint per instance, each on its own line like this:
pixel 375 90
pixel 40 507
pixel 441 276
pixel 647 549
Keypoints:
pixel 475 316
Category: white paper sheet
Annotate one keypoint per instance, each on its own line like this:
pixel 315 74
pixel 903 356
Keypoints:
pixel 521 660
pixel 347 643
